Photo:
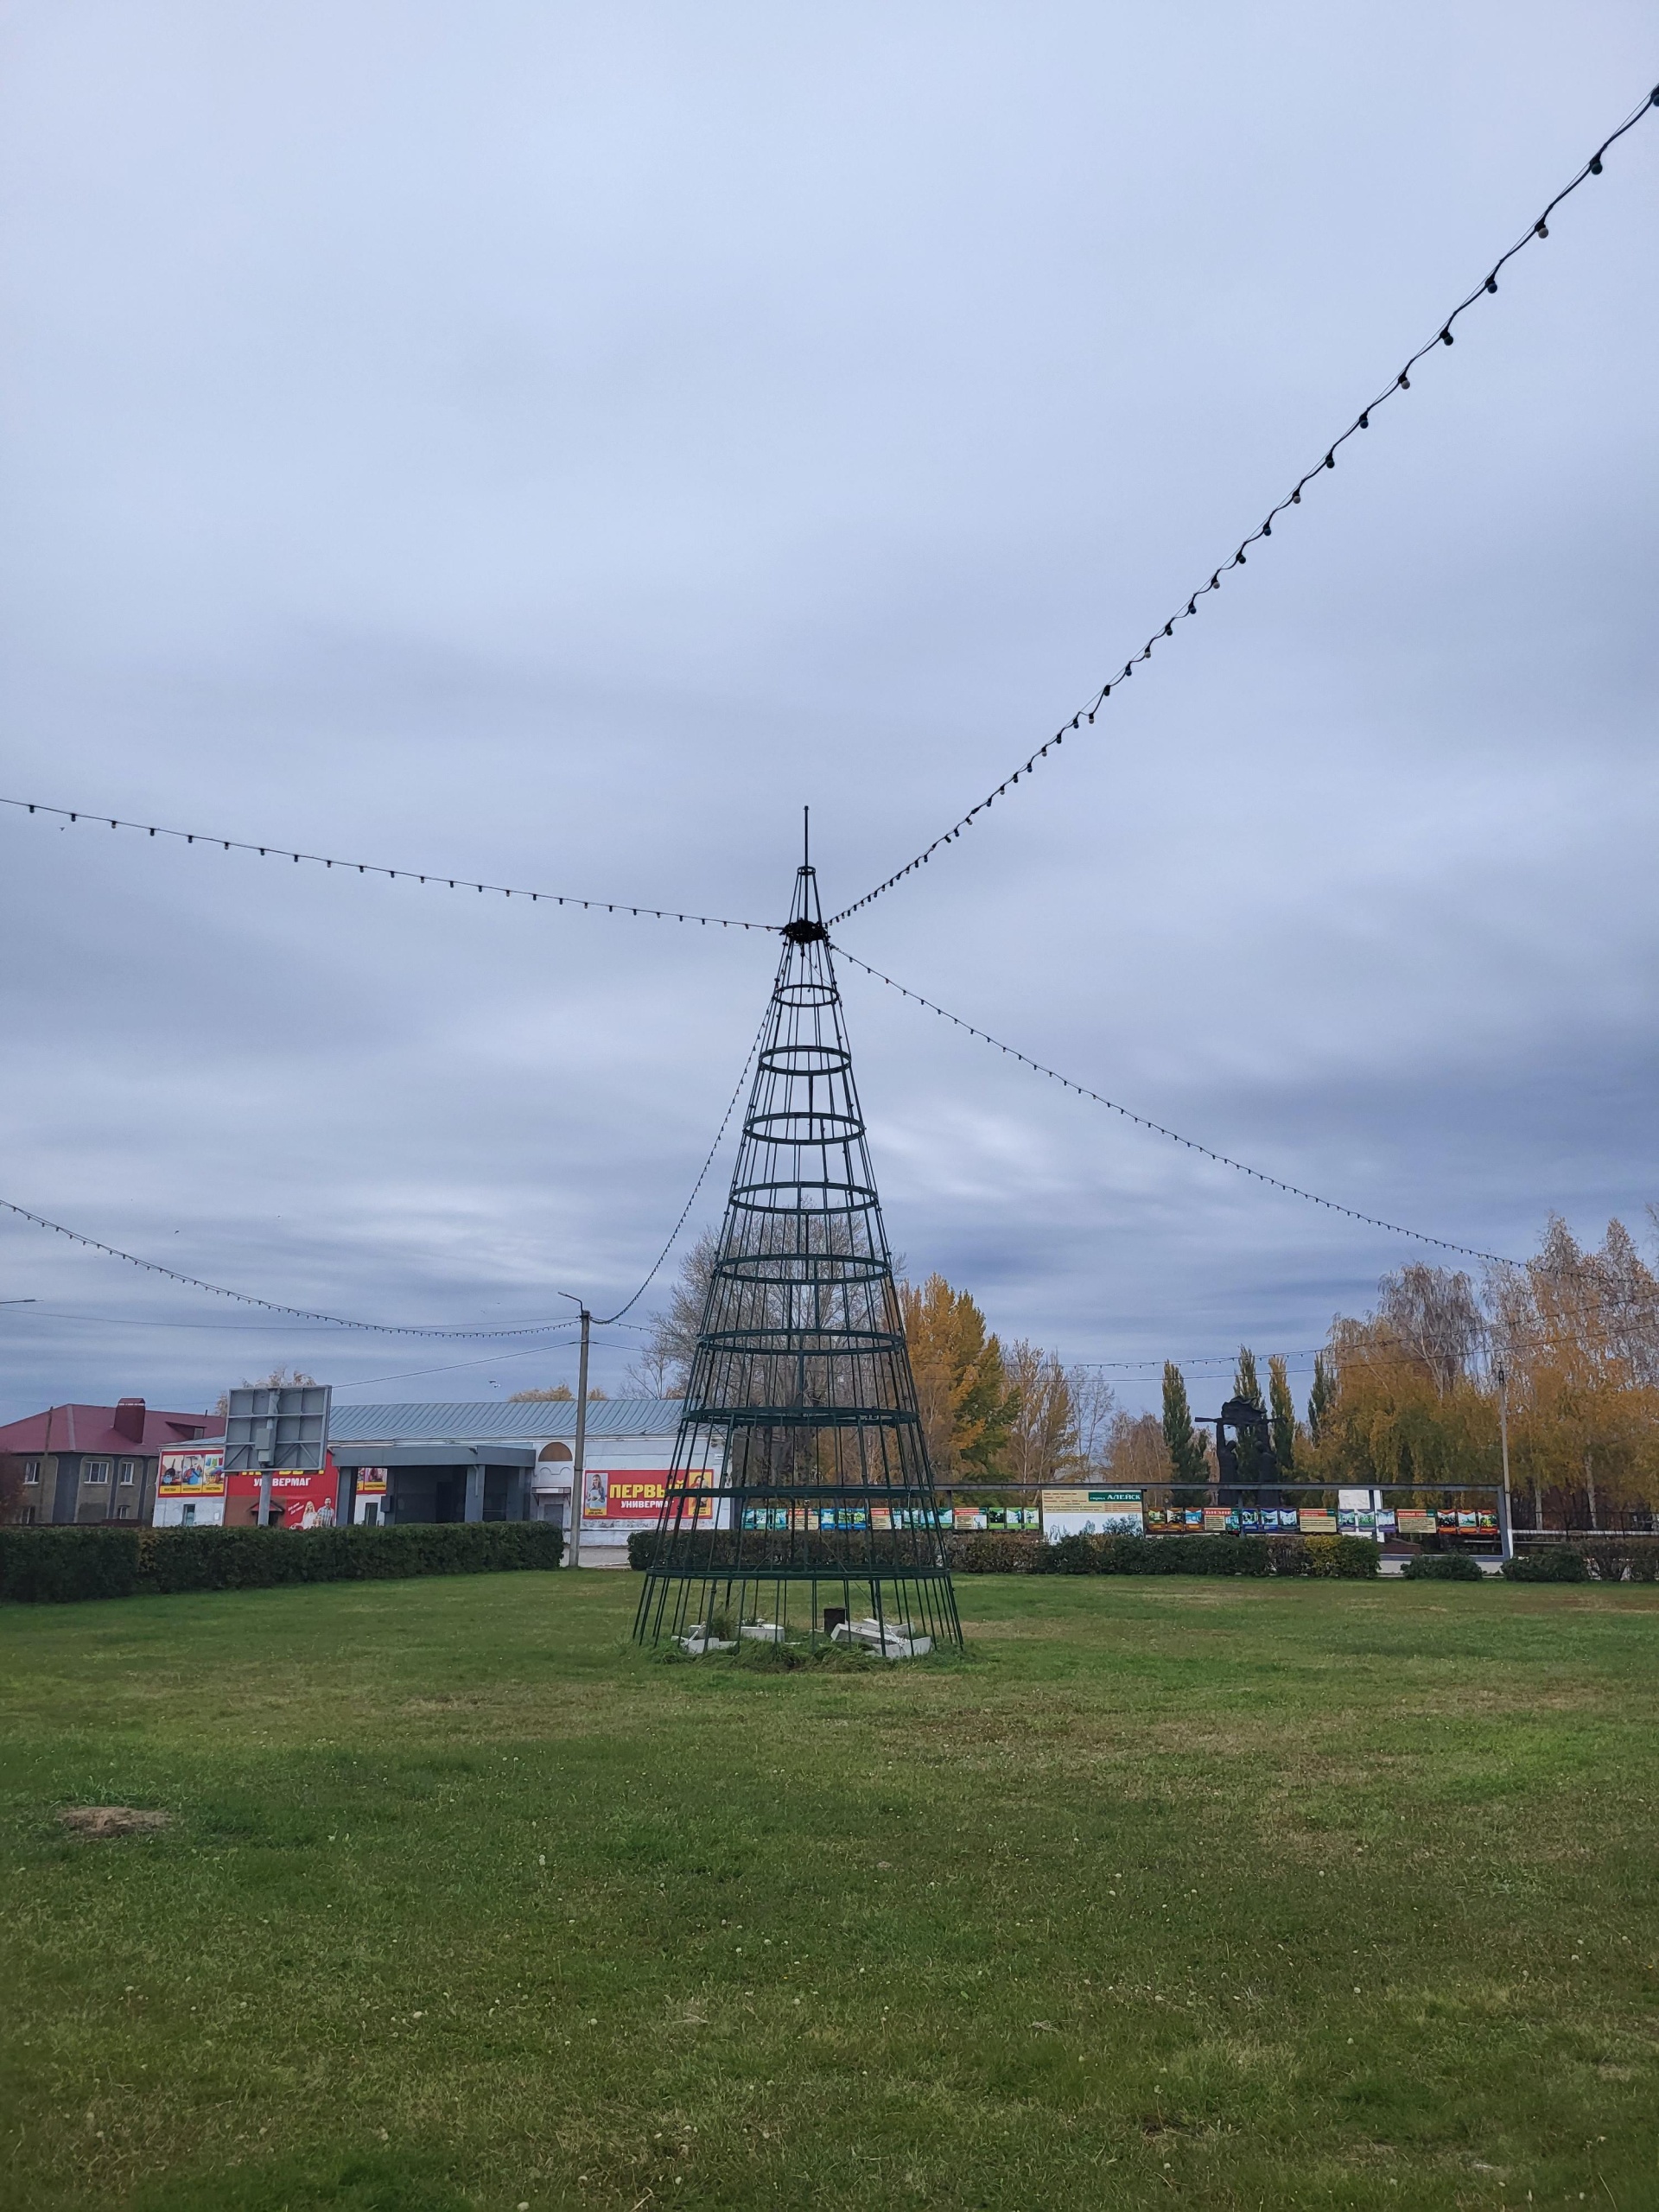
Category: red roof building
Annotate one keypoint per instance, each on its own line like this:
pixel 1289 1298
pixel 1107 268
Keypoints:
pixel 98 1462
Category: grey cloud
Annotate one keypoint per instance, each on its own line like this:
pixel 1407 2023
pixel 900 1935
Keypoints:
pixel 553 444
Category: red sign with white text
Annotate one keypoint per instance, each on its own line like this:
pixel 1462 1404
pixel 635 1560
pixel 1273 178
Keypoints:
pixel 637 1494
pixel 297 1500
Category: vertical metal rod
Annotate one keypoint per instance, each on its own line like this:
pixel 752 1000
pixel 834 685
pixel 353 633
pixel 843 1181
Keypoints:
pixel 579 1465
pixel 1507 1531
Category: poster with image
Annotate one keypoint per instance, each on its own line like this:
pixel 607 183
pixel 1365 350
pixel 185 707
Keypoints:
pixel 192 1473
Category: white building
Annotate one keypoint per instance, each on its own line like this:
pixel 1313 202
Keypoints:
pixel 507 1461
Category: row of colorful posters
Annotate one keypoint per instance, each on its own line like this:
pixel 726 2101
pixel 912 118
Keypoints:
pixel 958 1519
pixel 1436 1521
pixel 1317 1520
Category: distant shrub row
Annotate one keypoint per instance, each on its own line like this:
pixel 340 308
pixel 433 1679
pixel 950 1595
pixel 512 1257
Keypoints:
pixel 56 1566
pixel 1549 1563
pixel 1352 1558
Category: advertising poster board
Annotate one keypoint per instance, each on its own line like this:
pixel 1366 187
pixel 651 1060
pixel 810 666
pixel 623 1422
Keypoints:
pixel 192 1473
pixel 1464 1520
pixel 299 1499
pixel 1219 1519
pixel 1074 1512
pixel 635 1495
pixel 1417 1521
pixel 190 1487
pixel 1316 1521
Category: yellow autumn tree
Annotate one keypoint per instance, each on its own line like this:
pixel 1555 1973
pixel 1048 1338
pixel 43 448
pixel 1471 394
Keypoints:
pixel 967 1403
pixel 1043 1442
pixel 1578 1332
pixel 1409 1406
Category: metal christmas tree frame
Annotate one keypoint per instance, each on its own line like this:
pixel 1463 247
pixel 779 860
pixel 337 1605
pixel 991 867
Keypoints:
pixel 801 1484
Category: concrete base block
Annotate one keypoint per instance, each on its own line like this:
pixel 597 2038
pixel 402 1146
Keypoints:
pixel 700 1640
pixel 894 1640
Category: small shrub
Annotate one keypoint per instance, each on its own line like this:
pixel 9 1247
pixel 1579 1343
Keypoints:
pixel 1228 1555
pixel 1071 1556
pixel 993 1554
pixel 1553 1563
pixel 1357 1559
pixel 1644 1562
pixel 1288 1554
pixel 1169 1555
pixel 1442 1566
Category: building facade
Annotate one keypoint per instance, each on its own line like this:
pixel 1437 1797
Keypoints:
pixel 90 1463
pixel 507 1461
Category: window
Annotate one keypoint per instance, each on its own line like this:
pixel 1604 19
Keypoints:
pixel 31 1470
pixel 95 1471
pixel 124 1473
pixel 188 1519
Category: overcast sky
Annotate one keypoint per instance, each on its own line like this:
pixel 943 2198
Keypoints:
pixel 555 443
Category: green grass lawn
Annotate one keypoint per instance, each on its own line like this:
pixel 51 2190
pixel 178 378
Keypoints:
pixel 1233 1893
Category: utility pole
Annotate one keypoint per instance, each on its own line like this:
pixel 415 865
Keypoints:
pixel 579 1468
pixel 1505 1514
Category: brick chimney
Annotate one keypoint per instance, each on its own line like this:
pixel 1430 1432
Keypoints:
pixel 129 1420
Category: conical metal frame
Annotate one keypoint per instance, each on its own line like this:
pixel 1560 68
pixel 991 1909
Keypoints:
pixel 801 1479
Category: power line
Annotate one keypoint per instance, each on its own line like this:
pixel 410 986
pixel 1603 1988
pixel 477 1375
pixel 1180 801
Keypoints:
pixel 414 1374
pixel 431 879
pixel 1191 1144
pixel 616 1319
pixel 268 1305
pixel 1401 381
pixel 1193 1359
pixel 401 1329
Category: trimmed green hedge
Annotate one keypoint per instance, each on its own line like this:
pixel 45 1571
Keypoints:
pixel 55 1566
pixel 1352 1558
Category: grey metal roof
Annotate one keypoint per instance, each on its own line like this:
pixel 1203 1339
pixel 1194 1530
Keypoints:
pixel 380 1453
pixel 497 1417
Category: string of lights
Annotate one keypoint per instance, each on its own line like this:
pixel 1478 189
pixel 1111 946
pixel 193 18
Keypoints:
pixel 410 1329
pixel 725 1123
pixel 80 817
pixel 271 1305
pixel 1157 1129
pixel 1401 383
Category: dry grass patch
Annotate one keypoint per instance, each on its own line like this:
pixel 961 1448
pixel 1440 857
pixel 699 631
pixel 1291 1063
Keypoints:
pixel 101 1820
